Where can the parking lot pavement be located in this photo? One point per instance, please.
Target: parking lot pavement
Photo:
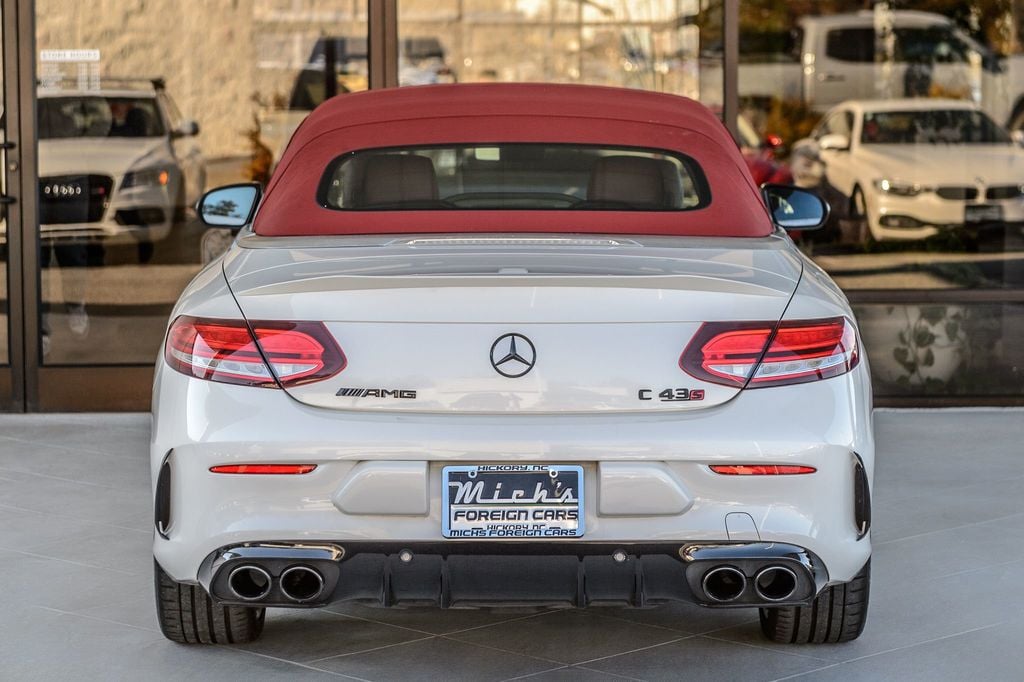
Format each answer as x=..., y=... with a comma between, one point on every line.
x=946, y=601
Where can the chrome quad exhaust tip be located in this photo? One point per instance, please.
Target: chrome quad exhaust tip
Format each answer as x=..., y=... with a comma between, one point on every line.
x=752, y=574
x=279, y=574
x=249, y=582
x=775, y=583
x=724, y=583
x=301, y=583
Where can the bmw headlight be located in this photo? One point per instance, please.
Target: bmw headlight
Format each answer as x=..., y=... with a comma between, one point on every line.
x=900, y=189
x=153, y=177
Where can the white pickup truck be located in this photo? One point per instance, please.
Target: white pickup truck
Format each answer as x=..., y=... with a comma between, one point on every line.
x=881, y=55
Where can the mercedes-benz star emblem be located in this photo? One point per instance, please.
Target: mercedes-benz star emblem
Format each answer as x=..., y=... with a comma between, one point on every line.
x=513, y=355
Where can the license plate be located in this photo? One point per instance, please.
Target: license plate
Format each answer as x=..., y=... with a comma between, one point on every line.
x=512, y=501
x=983, y=214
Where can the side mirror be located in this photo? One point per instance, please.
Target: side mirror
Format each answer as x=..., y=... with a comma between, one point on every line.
x=230, y=206
x=188, y=128
x=834, y=141
x=793, y=208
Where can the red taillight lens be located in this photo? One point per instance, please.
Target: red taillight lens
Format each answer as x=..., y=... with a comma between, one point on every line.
x=277, y=469
x=761, y=469
x=734, y=354
x=225, y=351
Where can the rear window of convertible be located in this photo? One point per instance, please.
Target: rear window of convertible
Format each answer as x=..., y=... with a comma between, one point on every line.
x=513, y=176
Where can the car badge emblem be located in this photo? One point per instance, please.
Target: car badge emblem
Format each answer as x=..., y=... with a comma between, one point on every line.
x=513, y=355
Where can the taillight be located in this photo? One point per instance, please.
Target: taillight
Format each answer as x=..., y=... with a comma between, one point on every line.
x=761, y=469
x=733, y=353
x=225, y=351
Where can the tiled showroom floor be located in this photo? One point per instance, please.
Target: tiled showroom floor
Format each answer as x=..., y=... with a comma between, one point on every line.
x=947, y=602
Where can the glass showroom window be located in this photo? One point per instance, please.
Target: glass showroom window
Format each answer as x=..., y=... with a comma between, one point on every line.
x=907, y=117
x=663, y=45
x=141, y=107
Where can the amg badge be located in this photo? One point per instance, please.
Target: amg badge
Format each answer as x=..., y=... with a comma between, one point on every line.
x=403, y=393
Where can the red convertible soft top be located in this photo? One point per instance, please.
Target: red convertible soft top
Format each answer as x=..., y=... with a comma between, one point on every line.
x=513, y=113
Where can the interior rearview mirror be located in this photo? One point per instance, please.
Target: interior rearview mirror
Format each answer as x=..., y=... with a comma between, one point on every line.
x=230, y=206
x=793, y=208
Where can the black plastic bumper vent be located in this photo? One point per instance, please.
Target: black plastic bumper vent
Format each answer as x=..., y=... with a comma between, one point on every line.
x=861, y=498
x=162, y=502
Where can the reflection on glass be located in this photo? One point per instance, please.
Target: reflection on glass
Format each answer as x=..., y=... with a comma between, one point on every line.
x=229, y=206
x=653, y=45
x=142, y=107
x=897, y=117
x=4, y=321
x=947, y=349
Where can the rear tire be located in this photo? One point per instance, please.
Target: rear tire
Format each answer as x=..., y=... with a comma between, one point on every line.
x=837, y=615
x=187, y=615
x=859, y=215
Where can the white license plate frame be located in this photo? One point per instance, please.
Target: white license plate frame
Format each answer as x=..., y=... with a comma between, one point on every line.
x=555, y=510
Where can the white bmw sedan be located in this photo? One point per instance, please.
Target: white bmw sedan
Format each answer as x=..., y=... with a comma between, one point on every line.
x=512, y=344
x=911, y=168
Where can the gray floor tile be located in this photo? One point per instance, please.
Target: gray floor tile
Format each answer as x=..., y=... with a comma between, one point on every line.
x=123, y=507
x=43, y=581
x=54, y=646
x=993, y=654
x=308, y=634
x=570, y=636
x=684, y=618
x=99, y=469
x=700, y=658
x=116, y=548
x=26, y=530
x=905, y=612
x=124, y=435
x=574, y=673
x=435, y=658
x=436, y=621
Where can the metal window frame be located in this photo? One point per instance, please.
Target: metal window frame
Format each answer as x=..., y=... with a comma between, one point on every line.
x=13, y=375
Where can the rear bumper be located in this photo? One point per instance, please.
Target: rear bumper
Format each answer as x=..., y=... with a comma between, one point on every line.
x=473, y=574
x=825, y=424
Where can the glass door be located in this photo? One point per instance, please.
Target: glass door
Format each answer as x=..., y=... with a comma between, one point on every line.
x=140, y=108
x=11, y=312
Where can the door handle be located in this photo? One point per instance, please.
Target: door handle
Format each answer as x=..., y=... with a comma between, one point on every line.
x=4, y=199
x=8, y=145
x=831, y=78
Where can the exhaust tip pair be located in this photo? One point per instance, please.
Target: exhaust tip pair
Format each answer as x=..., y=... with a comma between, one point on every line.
x=250, y=582
x=727, y=583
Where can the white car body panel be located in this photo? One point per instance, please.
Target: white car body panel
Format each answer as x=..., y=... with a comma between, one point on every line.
x=378, y=475
x=440, y=327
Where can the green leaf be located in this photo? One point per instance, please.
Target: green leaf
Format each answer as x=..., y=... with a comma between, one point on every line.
x=933, y=314
x=902, y=356
x=923, y=337
x=952, y=330
x=929, y=358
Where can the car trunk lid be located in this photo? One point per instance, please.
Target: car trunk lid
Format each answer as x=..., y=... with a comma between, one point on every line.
x=510, y=325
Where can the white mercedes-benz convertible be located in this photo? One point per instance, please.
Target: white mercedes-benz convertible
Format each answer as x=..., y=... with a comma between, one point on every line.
x=512, y=344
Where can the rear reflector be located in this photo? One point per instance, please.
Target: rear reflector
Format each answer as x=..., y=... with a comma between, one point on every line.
x=263, y=468
x=733, y=353
x=761, y=469
x=225, y=351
